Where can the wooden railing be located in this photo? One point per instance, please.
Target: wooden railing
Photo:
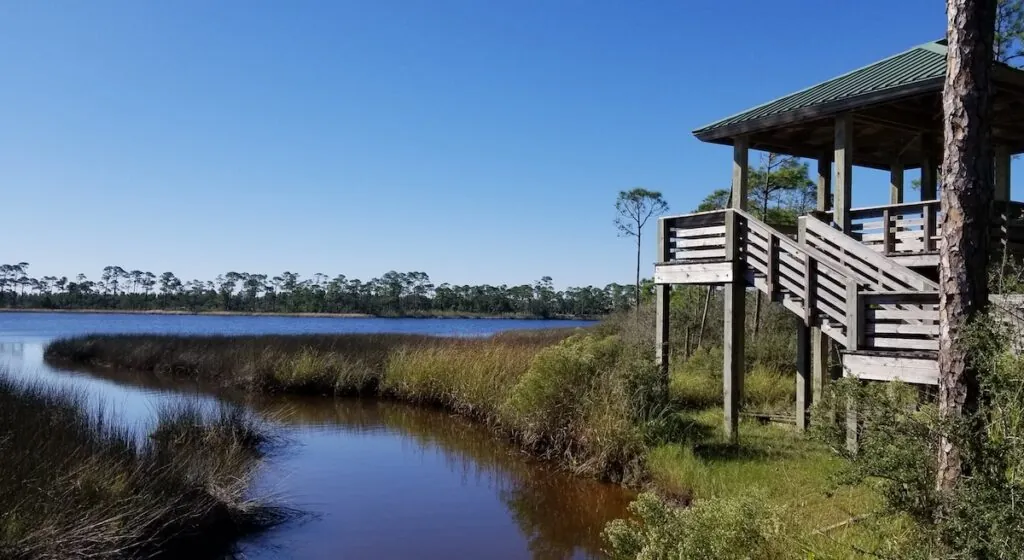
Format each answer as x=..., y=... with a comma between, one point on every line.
x=696, y=237
x=872, y=269
x=897, y=229
x=895, y=321
x=858, y=297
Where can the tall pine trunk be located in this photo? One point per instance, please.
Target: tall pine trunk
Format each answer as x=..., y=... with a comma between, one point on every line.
x=967, y=169
x=638, y=247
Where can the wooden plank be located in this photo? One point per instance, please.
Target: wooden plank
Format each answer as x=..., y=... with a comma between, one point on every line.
x=829, y=308
x=895, y=328
x=844, y=171
x=1002, y=173
x=900, y=343
x=685, y=243
x=920, y=371
x=697, y=219
x=835, y=333
x=708, y=231
x=905, y=234
x=695, y=273
x=772, y=271
x=793, y=262
x=900, y=298
x=695, y=254
x=875, y=315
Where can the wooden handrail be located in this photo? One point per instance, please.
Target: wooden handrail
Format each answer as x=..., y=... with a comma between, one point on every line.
x=884, y=264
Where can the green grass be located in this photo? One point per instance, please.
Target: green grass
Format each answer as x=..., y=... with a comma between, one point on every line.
x=797, y=477
x=75, y=486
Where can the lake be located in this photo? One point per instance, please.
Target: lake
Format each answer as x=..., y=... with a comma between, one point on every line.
x=376, y=479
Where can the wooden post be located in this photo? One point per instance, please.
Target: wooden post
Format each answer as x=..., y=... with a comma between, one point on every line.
x=819, y=342
x=663, y=293
x=803, y=375
x=844, y=172
x=734, y=298
x=888, y=236
x=820, y=374
x=896, y=183
x=928, y=215
x=740, y=162
x=854, y=317
x=824, y=183
x=929, y=169
x=1002, y=176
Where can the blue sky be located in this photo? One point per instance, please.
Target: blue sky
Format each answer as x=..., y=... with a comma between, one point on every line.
x=478, y=141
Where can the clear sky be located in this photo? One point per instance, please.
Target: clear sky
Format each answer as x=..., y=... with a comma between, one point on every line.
x=478, y=141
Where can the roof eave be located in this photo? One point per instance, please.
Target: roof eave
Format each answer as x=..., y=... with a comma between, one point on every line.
x=725, y=134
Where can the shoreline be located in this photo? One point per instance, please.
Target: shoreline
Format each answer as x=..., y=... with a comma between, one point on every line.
x=307, y=315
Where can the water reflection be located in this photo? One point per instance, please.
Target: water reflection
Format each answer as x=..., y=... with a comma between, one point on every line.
x=387, y=480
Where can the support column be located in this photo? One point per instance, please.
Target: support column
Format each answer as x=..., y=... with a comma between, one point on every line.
x=812, y=364
x=820, y=373
x=1002, y=176
x=803, y=375
x=734, y=297
x=929, y=169
x=844, y=172
x=824, y=183
x=663, y=293
x=896, y=183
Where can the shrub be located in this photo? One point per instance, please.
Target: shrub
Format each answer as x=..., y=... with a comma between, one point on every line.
x=723, y=529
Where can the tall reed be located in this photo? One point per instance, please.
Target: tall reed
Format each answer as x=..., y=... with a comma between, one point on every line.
x=75, y=485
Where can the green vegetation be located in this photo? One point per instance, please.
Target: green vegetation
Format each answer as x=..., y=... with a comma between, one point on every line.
x=394, y=294
x=579, y=398
x=74, y=486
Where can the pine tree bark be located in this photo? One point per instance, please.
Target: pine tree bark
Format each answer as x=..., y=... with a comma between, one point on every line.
x=967, y=184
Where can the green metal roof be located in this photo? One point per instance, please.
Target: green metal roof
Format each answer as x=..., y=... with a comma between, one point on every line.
x=922, y=65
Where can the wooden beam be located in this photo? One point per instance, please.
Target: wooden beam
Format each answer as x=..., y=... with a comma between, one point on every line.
x=929, y=168
x=896, y=183
x=740, y=163
x=804, y=375
x=824, y=182
x=820, y=373
x=734, y=331
x=844, y=172
x=1002, y=176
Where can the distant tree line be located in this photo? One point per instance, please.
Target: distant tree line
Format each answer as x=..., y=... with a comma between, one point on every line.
x=393, y=294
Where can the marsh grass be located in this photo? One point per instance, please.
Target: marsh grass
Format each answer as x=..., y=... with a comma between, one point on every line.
x=574, y=396
x=75, y=485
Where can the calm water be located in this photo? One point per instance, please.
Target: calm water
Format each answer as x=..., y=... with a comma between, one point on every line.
x=381, y=480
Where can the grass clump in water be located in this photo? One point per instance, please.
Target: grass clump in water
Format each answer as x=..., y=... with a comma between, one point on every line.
x=75, y=486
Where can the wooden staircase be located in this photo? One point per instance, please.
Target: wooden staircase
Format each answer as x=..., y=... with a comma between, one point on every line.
x=883, y=314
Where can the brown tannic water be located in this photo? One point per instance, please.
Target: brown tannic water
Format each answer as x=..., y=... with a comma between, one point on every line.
x=376, y=479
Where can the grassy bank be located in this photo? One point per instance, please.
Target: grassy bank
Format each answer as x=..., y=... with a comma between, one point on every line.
x=586, y=399
x=577, y=397
x=75, y=486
